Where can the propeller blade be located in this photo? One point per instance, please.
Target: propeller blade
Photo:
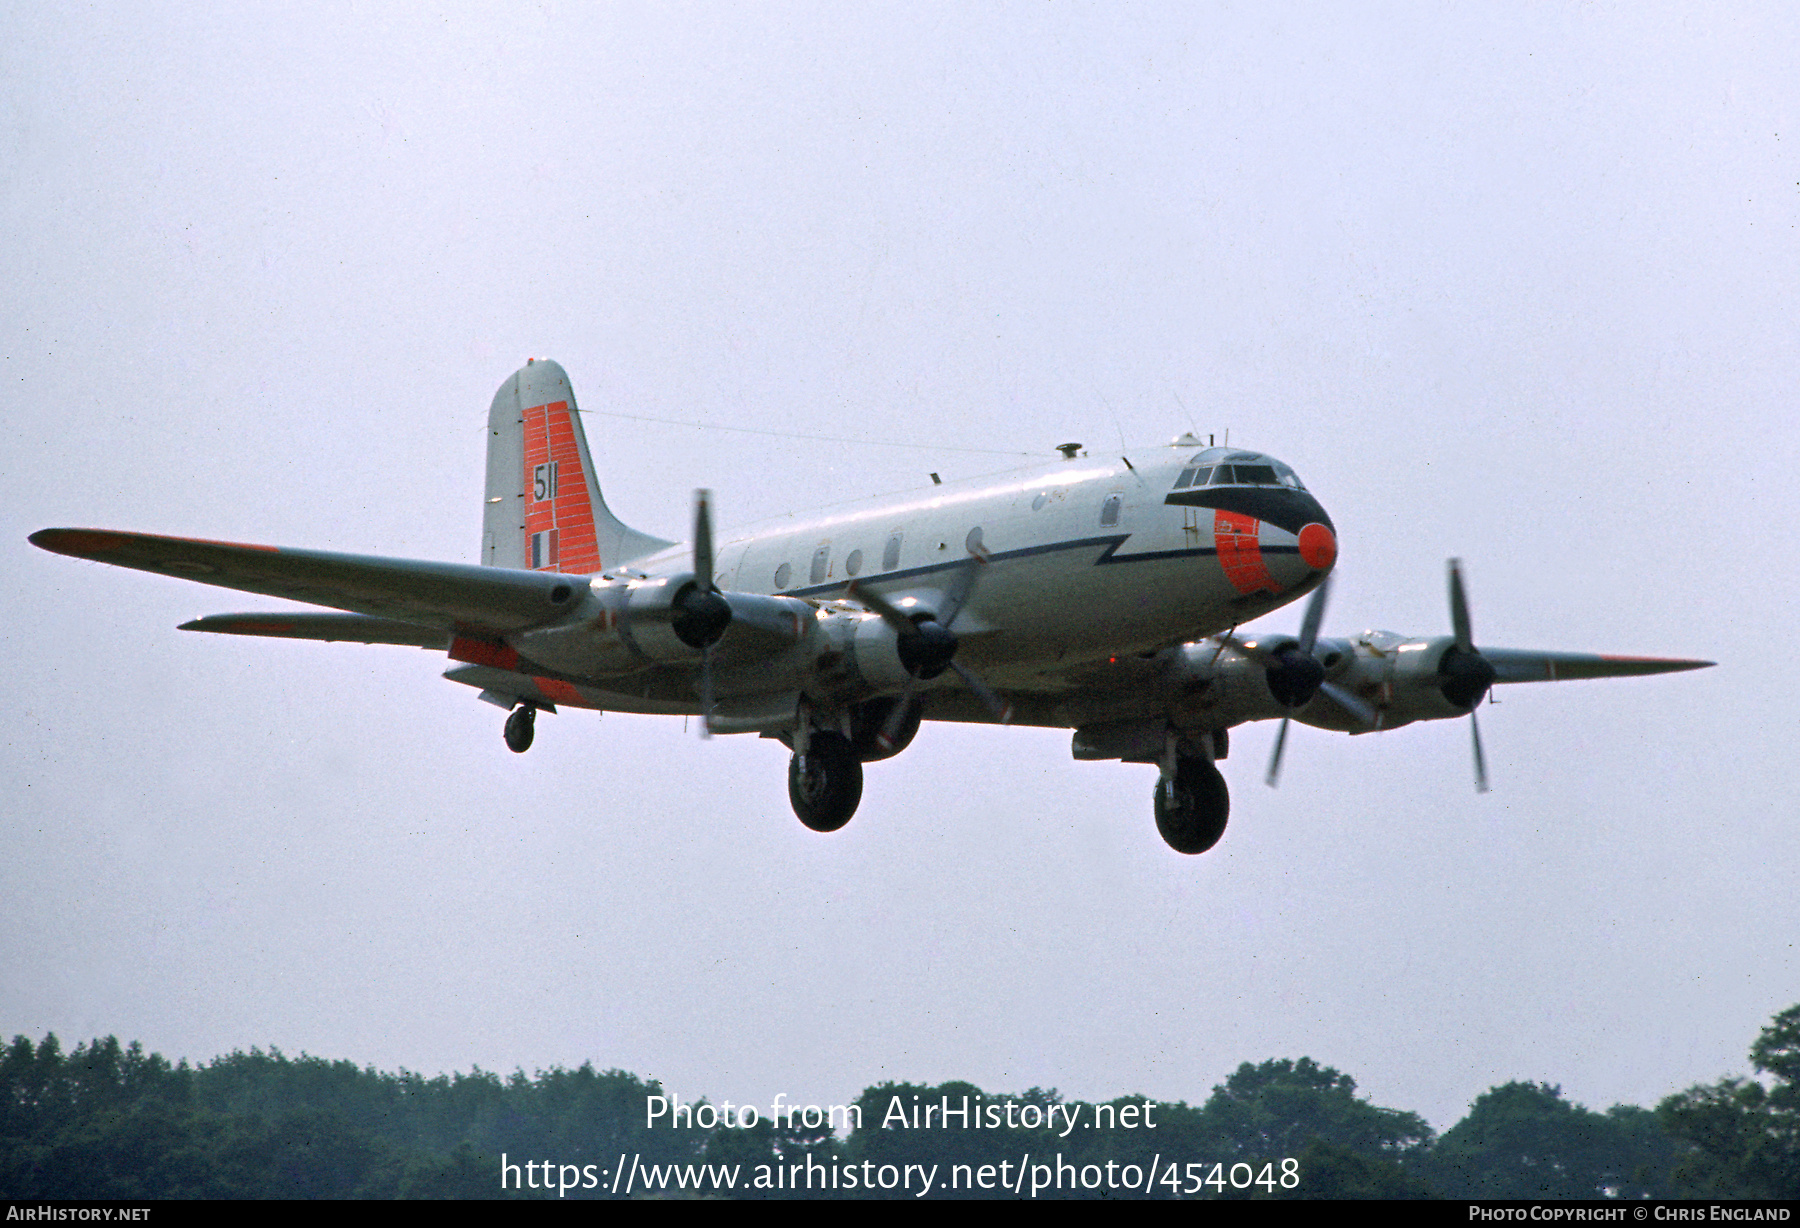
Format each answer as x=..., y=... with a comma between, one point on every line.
x=1350, y=703
x=962, y=583
x=1275, y=758
x=889, y=612
x=1459, y=609
x=999, y=707
x=703, y=543
x=1481, y=783
x=1315, y=614
x=706, y=691
x=889, y=736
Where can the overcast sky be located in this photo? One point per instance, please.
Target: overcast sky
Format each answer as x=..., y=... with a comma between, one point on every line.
x=1514, y=286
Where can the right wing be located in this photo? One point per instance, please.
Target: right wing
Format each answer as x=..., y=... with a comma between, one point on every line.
x=353, y=628
x=490, y=601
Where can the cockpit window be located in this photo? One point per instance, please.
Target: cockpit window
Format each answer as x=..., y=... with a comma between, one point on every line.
x=1255, y=469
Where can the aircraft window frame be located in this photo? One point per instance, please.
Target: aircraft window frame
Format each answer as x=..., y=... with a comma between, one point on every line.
x=783, y=574
x=821, y=564
x=853, y=562
x=890, y=554
x=1187, y=478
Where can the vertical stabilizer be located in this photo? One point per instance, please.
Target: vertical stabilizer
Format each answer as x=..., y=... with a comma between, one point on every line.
x=544, y=511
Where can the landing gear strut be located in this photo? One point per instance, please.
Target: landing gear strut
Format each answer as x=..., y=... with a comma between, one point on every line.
x=1192, y=804
x=520, y=727
x=825, y=780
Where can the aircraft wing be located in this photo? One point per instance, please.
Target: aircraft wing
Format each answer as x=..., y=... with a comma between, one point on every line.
x=1525, y=665
x=445, y=596
x=350, y=628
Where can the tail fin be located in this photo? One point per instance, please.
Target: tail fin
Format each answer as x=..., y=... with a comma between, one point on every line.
x=544, y=511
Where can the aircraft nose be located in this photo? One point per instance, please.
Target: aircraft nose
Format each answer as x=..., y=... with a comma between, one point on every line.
x=1318, y=546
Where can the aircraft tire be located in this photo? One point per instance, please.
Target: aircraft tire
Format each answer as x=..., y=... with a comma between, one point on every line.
x=521, y=726
x=826, y=794
x=1192, y=809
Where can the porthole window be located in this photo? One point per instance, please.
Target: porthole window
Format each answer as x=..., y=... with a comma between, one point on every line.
x=972, y=542
x=890, y=557
x=783, y=574
x=1039, y=502
x=1109, y=511
x=821, y=566
x=853, y=563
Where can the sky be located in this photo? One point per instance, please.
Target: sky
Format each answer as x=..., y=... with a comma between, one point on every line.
x=1514, y=285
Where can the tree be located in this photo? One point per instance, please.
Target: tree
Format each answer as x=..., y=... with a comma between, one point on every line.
x=1743, y=1139
x=1524, y=1140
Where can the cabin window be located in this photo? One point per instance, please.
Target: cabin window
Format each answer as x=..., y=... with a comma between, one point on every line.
x=890, y=557
x=853, y=562
x=821, y=563
x=1109, y=511
x=972, y=543
x=1186, y=479
x=783, y=574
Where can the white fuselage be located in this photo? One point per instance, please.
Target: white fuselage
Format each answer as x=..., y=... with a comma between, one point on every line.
x=1084, y=561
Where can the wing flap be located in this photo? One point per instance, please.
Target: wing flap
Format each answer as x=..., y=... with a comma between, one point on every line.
x=448, y=596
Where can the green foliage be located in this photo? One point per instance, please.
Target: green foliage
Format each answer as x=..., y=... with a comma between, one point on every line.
x=1743, y=1139
x=1524, y=1140
x=109, y=1121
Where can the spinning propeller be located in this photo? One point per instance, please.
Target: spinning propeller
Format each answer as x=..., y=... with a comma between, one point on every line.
x=701, y=614
x=926, y=646
x=1464, y=674
x=1467, y=674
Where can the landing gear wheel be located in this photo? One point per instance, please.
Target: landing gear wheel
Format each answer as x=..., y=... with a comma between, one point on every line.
x=1192, y=808
x=826, y=790
x=520, y=727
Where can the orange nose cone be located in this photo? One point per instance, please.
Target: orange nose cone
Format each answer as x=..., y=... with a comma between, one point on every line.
x=1318, y=546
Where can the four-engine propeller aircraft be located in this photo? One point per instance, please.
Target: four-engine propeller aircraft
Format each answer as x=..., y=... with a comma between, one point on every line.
x=1095, y=595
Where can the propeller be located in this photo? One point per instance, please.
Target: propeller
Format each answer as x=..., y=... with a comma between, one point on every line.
x=701, y=614
x=1299, y=666
x=927, y=646
x=1467, y=674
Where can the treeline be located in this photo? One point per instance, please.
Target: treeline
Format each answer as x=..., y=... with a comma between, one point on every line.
x=109, y=1121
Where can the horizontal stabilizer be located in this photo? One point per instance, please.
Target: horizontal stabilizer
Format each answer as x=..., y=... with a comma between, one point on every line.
x=449, y=596
x=346, y=628
x=1524, y=665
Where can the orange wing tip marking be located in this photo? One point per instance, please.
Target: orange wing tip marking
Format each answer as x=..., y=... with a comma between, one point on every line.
x=92, y=543
x=1318, y=547
x=1674, y=661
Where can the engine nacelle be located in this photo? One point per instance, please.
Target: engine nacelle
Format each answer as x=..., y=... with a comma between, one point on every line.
x=625, y=624
x=1405, y=680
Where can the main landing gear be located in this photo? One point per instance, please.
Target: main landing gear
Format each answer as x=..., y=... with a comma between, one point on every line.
x=520, y=727
x=825, y=780
x=1192, y=801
